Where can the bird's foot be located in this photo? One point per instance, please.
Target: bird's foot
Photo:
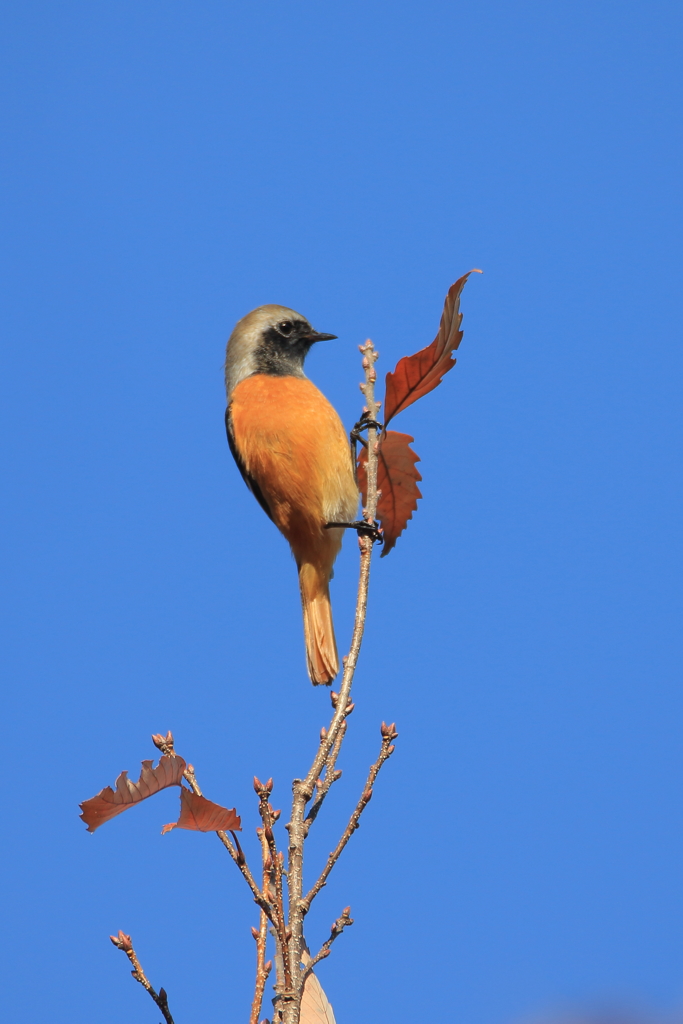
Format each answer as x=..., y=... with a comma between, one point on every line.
x=362, y=527
x=363, y=423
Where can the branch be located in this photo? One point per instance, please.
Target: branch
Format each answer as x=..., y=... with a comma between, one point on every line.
x=388, y=734
x=124, y=942
x=165, y=745
x=332, y=775
x=263, y=969
x=337, y=928
x=303, y=788
x=269, y=817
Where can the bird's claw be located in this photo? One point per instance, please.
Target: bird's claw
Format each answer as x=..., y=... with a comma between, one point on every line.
x=363, y=423
x=363, y=529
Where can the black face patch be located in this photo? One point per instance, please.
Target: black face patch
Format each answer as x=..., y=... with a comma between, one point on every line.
x=283, y=348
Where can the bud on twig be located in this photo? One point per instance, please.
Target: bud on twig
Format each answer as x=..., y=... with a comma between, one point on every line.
x=268, y=833
x=255, y=933
x=160, y=741
x=367, y=796
x=122, y=941
x=334, y=697
x=323, y=734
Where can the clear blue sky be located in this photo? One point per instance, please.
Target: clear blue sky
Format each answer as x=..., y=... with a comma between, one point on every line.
x=165, y=168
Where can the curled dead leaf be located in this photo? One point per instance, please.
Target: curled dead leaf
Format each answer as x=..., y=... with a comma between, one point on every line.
x=397, y=479
x=417, y=375
x=315, y=1006
x=201, y=815
x=109, y=802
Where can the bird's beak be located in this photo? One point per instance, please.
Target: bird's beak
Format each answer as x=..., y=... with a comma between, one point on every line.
x=315, y=336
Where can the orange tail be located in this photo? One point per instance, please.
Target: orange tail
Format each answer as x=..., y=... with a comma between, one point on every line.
x=321, y=646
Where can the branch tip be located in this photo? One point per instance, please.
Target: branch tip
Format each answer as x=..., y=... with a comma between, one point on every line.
x=163, y=743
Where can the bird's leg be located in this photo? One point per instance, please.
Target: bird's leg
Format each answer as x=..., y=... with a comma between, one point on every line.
x=363, y=423
x=362, y=527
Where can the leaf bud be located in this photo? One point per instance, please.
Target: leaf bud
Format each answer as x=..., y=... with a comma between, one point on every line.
x=349, y=708
x=367, y=796
x=336, y=774
x=334, y=697
x=391, y=748
x=123, y=941
x=268, y=833
x=288, y=934
x=323, y=733
x=346, y=911
x=255, y=933
x=274, y=814
x=163, y=997
x=190, y=769
x=269, y=786
x=258, y=785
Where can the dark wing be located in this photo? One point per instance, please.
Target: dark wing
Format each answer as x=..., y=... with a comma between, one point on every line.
x=249, y=480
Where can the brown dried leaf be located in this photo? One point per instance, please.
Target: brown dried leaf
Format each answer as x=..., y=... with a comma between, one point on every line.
x=420, y=373
x=108, y=802
x=201, y=815
x=315, y=1008
x=397, y=479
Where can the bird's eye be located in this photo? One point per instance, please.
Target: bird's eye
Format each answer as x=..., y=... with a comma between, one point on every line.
x=285, y=327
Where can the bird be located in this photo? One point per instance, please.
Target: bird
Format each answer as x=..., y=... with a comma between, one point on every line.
x=294, y=455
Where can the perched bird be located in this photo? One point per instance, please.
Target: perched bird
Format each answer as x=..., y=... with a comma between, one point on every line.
x=292, y=450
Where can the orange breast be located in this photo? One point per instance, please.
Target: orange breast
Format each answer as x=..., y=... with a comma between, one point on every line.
x=294, y=446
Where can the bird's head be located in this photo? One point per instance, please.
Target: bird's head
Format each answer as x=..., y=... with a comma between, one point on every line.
x=270, y=339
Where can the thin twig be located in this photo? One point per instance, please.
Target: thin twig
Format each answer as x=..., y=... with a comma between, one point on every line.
x=337, y=928
x=332, y=775
x=388, y=734
x=263, y=968
x=125, y=943
x=269, y=817
x=303, y=789
x=166, y=745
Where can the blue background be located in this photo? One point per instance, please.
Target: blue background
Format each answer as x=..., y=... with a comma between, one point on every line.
x=168, y=166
